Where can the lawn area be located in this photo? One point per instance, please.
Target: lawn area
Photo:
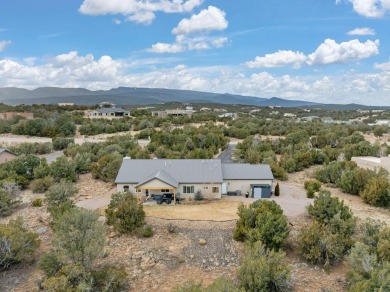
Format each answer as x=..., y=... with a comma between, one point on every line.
x=219, y=210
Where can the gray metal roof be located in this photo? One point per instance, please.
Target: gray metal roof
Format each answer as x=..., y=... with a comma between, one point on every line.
x=182, y=170
x=246, y=171
x=162, y=176
x=111, y=110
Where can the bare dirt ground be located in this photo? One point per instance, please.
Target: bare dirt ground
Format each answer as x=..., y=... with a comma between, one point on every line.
x=165, y=260
x=372, y=139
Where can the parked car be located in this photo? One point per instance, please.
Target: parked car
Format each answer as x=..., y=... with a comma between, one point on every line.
x=166, y=198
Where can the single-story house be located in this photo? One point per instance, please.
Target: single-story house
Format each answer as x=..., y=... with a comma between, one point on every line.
x=146, y=177
x=109, y=113
x=6, y=155
x=372, y=163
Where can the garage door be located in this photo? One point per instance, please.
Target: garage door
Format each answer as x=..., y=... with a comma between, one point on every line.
x=257, y=193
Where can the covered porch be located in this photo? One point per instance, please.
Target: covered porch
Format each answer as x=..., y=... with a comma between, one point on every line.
x=159, y=184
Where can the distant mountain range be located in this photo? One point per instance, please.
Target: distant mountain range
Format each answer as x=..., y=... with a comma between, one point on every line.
x=145, y=96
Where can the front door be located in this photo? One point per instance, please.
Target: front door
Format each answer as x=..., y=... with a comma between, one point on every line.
x=257, y=193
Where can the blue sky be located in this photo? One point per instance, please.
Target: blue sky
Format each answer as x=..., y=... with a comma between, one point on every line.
x=325, y=51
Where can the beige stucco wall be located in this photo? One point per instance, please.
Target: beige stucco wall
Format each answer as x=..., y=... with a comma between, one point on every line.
x=206, y=189
x=372, y=163
x=6, y=156
x=244, y=185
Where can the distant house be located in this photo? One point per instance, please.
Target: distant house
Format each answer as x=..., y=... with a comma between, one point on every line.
x=289, y=115
x=146, y=177
x=372, y=163
x=310, y=118
x=108, y=113
x=174, y=113
x=327, y=120
x=6, y=155
x=228, y=115
x=66, y=103
x=10, y=115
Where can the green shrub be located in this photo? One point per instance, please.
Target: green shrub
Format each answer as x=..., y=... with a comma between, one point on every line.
x=190, y=286
x=325, y=207
x=377, y=192
x=60, y=193
x=148, y=231
x=315, y=185
x=60, y=143
x=38, y=202
x=144, y=231
x=262, y=221
x=9, y=192
x=7, y=204
x=264, y=270
x=310, y=193
x=50, y=264
x=336, y=217
x=41, y=185
x=110, y=278
x=317, y=244
x=198, y=196
x=79, y=237
x=277, y=190
x=63, y=169
x=171, y=228
x=124, y=213
x=17, y=244
x=223, y=283
x=366, y=271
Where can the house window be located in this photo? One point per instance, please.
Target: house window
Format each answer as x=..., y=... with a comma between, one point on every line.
x=188, y=189
x=215, y=190
x=205, y=188
x=125, y=188
x=164, y=190
x=138, y=190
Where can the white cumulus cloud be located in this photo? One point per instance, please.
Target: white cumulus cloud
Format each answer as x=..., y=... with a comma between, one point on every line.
x=370, y=8
x=74, y=70
x=142, y=17
x=140, y=11
x=166, y=48
x=4, y=44
x=208, y=19
x=330, y=52
x=383, y=66
x=278, y=59
x=361, y=31
x=184, y=43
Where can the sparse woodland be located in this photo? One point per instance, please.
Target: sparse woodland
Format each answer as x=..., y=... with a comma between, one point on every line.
x=75, y=261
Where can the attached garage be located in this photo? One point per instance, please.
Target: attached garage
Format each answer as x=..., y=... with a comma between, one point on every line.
x=242, y=178
x=260, y=191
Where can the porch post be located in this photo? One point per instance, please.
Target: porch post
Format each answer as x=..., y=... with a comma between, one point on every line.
x=174, y=196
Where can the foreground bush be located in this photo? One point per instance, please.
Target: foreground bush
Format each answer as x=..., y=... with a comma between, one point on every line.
x=367, y=272
x=329, y=237
x=17, y=244
x=332, y=212
x=79, y=237
x=262, y=221
x=264, y=270
x=9, y=192
x=110, y=278
x=318, y=245
x=220, y=284
x=124, y=213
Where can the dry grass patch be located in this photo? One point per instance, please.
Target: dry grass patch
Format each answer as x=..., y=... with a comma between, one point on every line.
x=218, y=210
